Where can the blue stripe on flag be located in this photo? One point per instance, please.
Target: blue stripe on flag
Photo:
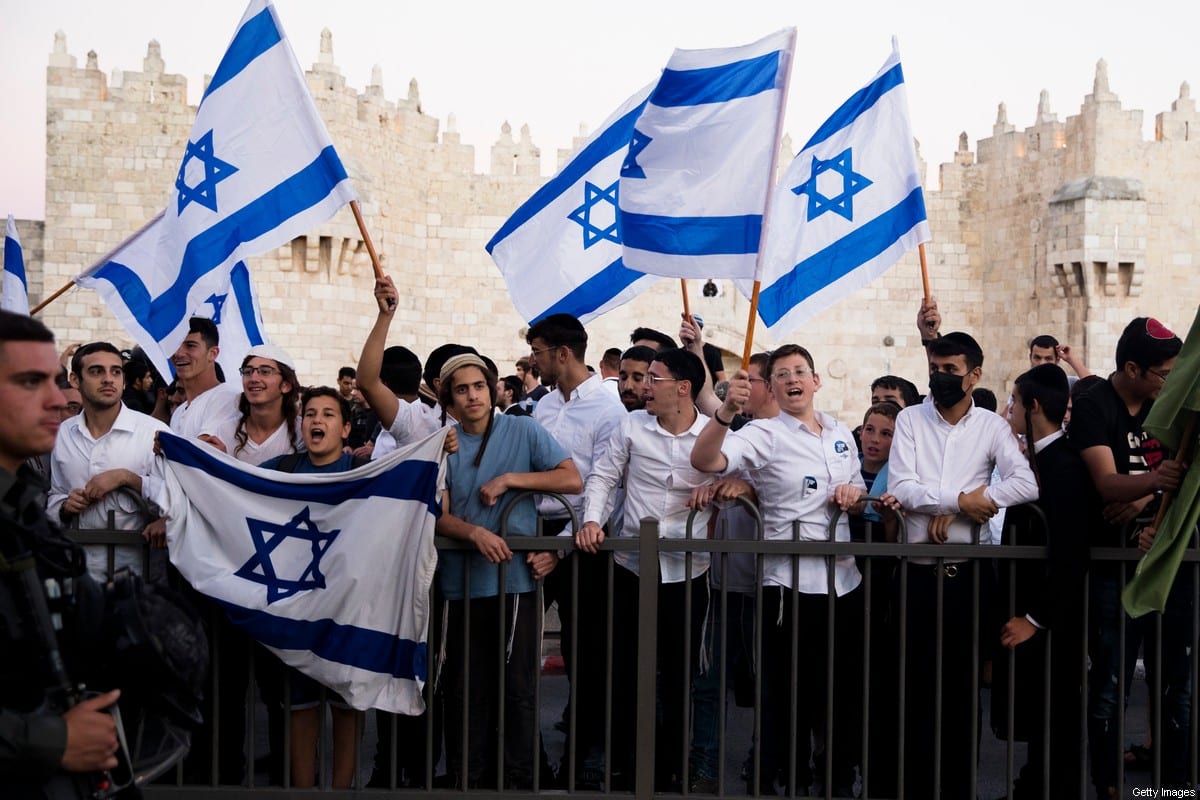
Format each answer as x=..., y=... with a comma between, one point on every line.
x=615, y=137
x=594, y=292
x=373, y=651
x=14, y=261
x=859, y=103
x=212, y=246
x=409, y=480
x=256, y=37
x=719, y=84
x=840, y=258
x=690, y=236
x=244, y=294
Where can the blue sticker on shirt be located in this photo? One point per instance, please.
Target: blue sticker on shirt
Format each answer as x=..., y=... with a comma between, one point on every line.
x=841, y=448
x=810, y=485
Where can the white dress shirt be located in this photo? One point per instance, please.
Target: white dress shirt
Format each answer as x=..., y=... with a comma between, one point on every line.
x=794, y=469
x=77, y=458
x=933, y=461
x=414, y=421
x=279, y=443
x=582, y=424
x=208, y=413
x=659, y=479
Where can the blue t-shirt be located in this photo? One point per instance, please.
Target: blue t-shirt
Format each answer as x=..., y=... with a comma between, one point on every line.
x=876, y=487
x=517, y=444
x=344, y=463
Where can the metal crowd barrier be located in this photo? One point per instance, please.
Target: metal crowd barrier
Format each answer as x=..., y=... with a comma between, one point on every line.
x=874, y=555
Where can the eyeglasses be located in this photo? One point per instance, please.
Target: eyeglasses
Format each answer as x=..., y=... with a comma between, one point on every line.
x=536, y=352
x=1162, y=376
x=758, y=380
x=786, y=374
x=654, y=380
x=264, y=371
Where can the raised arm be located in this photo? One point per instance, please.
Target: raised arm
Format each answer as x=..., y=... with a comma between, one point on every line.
x=371, y=362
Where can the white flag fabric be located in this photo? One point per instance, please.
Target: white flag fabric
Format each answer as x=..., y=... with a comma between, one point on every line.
x=694, y=185
x=259, y=169
x=848, y=207
x=330, y=571
x=560, y=251
x=14, y=291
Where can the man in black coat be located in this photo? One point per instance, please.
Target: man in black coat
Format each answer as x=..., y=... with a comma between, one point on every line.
x=1046, y=609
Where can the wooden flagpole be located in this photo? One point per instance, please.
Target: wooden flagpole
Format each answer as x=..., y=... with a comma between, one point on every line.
x=687, y=311
x=924, y=273
x=762, y=237
x=104, y=259
x=362, y=228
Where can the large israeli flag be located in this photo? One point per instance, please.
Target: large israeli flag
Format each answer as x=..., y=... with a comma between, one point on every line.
x=848, y=207
x=695, y=182
x=258, y=170
x=560, y=251
x=14, y=291
x=330, y=571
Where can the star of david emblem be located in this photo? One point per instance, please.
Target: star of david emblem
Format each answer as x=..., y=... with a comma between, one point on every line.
x=841, y=203
x=606, y=199
x=217, y=301
x=267, y=537
x=215, y=170
x=631, y=169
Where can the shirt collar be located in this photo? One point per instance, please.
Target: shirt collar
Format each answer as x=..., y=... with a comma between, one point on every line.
x=1046, y=441
x=589, y=385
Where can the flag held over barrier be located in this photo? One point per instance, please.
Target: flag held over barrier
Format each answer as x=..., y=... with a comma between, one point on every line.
x=331, y=571
x=694, y=184
x=258, y=170
x=848, y=207
x=560, y=251
x=14, y=291
x=1176, y=406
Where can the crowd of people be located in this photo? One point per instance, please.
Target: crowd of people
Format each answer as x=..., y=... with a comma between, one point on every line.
x=660, y=431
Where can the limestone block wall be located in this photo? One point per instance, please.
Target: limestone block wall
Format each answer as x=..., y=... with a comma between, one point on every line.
x=114, y=143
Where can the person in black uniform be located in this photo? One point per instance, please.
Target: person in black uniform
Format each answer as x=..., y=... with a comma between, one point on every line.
x=1047, y=605
x=38, y=745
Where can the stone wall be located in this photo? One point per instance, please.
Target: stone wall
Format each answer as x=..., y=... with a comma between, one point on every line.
x=1066, y=227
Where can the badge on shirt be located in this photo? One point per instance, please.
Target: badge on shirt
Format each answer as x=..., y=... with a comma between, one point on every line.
x=810, y=485
x=841, y=448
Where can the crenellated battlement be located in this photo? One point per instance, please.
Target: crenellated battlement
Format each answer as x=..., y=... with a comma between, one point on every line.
x=1070, y=226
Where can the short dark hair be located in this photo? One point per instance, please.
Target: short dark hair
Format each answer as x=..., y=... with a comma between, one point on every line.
x=560, y=330
x=684, y=365
x=400, y=370
x=1045, y=341
x=516, y=386
x=612, y=358
x=664, y=342
x=760, y=360
x=1047, y=384
x=350, y=372
x=136, y=369
x=1147, y=343
x=439, y=356
x=314, y=392
x=957, y=343
x=887, y=408
x=984, y=398
x=87, y=350
x=20, y=328
x=907, y=389
x=785, y=350
x=639, y=353
x=207, y=330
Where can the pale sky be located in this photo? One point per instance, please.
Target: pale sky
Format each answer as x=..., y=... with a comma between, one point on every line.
x=554, y=65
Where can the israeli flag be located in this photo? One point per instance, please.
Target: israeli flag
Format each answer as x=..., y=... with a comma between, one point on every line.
x=14, y=291
x=849, y=206
x=560, y=252
x=695, y=182
x=258, y=170
x=330, y=571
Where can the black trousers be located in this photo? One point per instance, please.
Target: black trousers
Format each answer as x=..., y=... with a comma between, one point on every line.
x=493, y=655
x=676, y=667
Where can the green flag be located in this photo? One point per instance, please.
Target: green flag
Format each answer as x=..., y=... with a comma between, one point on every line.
x=1176, y=404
